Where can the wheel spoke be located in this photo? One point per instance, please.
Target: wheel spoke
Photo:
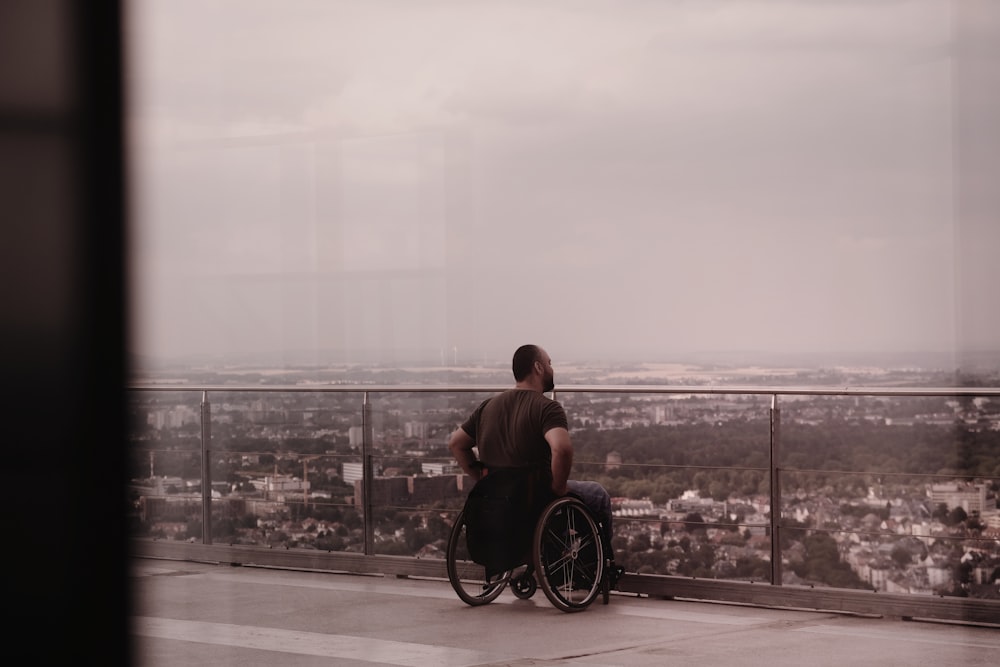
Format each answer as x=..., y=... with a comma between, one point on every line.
x=568, y=554
x=558, y=538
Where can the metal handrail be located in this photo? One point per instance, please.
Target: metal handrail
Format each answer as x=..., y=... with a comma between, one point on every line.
x=578, y=389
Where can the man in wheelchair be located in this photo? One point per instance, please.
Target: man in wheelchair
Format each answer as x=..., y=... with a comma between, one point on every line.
x=522, y=437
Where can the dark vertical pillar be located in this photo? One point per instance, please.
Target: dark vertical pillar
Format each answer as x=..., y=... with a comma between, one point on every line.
x=62, y=204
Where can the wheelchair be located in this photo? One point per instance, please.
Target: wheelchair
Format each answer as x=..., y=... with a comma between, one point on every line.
x=563, y=555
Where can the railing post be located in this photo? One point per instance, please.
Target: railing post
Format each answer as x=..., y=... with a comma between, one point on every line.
x=368, y=474
x=206, y=469
x=775, y=492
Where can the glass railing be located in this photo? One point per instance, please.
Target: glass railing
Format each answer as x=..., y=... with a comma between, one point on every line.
x=891, y=489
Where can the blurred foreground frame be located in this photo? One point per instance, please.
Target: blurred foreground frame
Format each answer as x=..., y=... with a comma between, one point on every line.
x=63, y=198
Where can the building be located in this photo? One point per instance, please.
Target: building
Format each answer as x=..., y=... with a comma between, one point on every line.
x=970, y=497
x=414, y=490
x=416, y=430
x=385, y=491
x=284, y=484
x=173, y=418
x=426, y=490
x=434, y=468
x=354, y=471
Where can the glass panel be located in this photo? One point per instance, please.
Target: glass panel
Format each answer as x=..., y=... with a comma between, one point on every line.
x=688, y=479
x=418, y=487
x=898, y=494
x=164, y=465
x=890, y=493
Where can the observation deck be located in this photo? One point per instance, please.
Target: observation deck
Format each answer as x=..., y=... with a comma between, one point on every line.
x=191, y=613
x=376, y=592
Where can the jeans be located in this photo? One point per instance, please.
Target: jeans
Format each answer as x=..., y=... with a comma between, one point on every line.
x=597, y=499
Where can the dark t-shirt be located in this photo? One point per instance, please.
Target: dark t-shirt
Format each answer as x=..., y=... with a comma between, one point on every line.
x=509, y=429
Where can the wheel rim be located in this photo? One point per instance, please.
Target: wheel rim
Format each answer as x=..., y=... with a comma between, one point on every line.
x=468, y=579
x=569, y=555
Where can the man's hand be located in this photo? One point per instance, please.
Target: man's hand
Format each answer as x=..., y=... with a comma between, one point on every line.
x=461, y=446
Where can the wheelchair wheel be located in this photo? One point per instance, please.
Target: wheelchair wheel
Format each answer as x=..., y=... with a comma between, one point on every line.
x=468, y=578
x=524, y=585
x=568, y=555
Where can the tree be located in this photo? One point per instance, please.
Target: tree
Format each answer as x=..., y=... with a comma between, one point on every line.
x=822, y=563
x=752, y=568
x=640, y=542
x=394, y=548
x=963, y=572
x=438, y=527
x=693, y=521
x=193, y=529
x=651, y=562
x=901, y=556
x=352, y=519
x=719, y=490
x=330, y=543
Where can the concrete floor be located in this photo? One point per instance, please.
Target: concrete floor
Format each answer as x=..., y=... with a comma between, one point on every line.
x=195, y=614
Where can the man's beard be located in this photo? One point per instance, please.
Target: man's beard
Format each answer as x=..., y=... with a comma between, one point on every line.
x=550, y=383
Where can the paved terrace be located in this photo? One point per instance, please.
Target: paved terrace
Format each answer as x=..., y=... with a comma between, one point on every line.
x=191, y=614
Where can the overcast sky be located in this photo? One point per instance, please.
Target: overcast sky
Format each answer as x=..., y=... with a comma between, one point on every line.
x=647, y=179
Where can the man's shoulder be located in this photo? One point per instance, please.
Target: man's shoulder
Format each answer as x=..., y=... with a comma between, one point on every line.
x=529, y=395
x=525, y=398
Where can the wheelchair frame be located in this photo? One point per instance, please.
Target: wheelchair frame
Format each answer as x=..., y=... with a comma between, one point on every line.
x=567, y=561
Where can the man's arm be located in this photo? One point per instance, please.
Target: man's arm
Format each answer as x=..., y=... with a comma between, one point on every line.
x=562, y=458
x=461, y=446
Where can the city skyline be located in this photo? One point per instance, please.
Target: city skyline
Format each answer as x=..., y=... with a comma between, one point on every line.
x=983, y=365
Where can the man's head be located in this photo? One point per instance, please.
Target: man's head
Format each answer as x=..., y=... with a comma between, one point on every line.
x=531, y=359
